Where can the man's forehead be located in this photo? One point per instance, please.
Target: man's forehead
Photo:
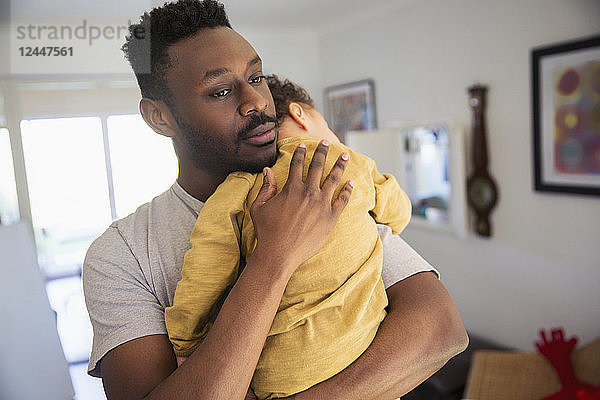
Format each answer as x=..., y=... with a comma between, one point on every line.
x=214, y=48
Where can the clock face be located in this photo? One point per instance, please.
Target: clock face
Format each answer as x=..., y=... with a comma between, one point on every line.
x=477, y=98
x=482, y=193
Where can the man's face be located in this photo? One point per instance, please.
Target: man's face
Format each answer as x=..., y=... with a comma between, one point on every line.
x=222, y=104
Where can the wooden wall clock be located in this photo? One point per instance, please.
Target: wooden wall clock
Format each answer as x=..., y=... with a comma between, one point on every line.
x=482, y=192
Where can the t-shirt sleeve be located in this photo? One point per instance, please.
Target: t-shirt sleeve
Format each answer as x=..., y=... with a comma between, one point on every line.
x=119, y=299
x=400, y=261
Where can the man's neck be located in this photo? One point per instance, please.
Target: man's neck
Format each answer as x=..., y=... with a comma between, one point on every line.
x=197, y=182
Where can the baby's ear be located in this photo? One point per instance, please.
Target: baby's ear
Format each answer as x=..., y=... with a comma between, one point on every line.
x=299, y=115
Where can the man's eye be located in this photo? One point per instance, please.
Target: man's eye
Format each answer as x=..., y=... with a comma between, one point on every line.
x=256, y=80
x=222, y=93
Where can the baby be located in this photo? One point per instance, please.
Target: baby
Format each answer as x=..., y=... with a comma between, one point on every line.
x=334, y=302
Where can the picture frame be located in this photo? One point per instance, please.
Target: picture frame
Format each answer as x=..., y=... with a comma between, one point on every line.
x=566, y=116
x=351, y=107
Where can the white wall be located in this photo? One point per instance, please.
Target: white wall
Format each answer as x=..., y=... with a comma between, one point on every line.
x=542, y=266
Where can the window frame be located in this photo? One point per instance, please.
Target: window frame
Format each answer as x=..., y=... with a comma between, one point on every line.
x=116, y=95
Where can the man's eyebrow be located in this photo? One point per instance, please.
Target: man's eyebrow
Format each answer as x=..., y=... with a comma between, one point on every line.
x=215, y=73
x=255, y=60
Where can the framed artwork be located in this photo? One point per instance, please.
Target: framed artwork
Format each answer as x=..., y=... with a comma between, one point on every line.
x=351, y=107
x=566, y=116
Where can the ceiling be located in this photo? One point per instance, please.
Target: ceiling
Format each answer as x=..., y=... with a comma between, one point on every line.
x=312, y=14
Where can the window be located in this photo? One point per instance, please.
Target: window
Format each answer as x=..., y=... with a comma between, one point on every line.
x=66, y=175
x=82, y=172
x=9, y=207
x=143, y=162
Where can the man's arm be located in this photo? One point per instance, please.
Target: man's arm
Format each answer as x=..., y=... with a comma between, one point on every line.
x=421, y=332
x=222, y=367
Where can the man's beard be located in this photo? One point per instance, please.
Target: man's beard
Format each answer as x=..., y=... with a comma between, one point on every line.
x=209, y=153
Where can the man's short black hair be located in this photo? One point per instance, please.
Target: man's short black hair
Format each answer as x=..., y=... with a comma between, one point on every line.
x=285, y=92
x=146, y=46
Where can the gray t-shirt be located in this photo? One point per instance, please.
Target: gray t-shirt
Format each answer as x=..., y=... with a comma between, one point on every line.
x=131, y=271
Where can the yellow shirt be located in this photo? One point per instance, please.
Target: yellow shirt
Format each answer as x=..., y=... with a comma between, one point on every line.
x=333, y=303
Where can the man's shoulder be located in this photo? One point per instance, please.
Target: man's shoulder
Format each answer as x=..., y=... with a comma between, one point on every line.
x=119, y=235
x=130, y=273
x=124, y=228
x=129, y=229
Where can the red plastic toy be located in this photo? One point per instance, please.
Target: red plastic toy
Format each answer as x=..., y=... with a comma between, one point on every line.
x=558, y=351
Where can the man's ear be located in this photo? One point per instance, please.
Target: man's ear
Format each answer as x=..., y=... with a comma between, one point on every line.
x=299, y=115
x=159, y=117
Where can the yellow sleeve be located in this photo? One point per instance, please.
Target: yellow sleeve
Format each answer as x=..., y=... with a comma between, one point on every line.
x=210, y=266
x=392, y=205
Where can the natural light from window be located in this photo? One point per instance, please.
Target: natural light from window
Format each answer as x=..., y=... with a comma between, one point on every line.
x=143, y=162
x=81, y=174
x=66, y=176
x=9, y=206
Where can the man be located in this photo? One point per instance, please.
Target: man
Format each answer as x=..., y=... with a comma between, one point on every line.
x=205, y=89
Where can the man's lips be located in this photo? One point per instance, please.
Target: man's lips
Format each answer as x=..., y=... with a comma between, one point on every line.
x=261, y=135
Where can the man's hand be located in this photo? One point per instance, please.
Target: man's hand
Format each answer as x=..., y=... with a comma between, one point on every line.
x=291, y=227
x=310, y=214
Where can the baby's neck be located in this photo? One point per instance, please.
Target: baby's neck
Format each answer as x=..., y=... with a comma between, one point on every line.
x=285, y=132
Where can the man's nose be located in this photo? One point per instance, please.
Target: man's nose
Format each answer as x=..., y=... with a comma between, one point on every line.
x=252, y=101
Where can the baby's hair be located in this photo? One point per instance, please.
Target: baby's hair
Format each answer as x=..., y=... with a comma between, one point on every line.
x=286, y=92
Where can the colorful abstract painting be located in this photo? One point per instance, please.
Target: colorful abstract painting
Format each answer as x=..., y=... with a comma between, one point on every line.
x=566, y=117
x=577, y=119
x=351, y=107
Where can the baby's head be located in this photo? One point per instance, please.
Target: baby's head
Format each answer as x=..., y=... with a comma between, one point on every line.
x=296, y=112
